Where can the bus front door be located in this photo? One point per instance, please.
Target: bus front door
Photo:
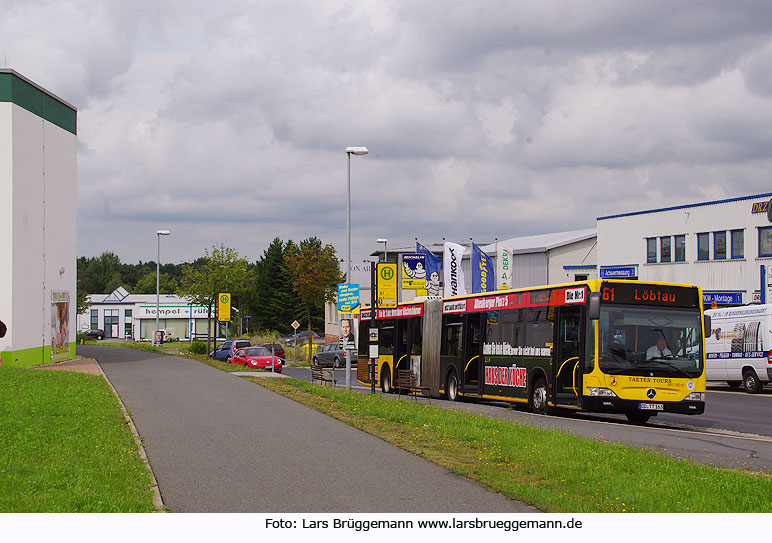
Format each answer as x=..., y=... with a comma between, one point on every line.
x=567, y=368
x=471, y=381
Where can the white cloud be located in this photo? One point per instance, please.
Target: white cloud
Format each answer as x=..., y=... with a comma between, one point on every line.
x=227, y=122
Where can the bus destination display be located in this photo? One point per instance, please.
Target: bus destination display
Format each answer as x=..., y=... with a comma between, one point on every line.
x=659, y=295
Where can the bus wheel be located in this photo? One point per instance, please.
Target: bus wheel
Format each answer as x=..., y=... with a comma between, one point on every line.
x=638, y=417
x=385, y=380
x=734, y=384
x=539, y=396
x=451, y=389
x=751, y=382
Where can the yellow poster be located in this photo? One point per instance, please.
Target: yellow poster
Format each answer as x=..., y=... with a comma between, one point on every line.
x=387, y=285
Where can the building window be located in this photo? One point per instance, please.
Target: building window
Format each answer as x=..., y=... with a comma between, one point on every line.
x=94, y=319
x=719, y=245
x=738, y=244
x=703, y=246
x=664, y=249
x=651, y=250
x=765, y=241
x=680, y=248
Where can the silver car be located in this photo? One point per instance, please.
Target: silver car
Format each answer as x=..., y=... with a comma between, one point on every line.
x=332, y=355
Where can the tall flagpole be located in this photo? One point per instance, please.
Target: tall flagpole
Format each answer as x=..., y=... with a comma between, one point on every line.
x=496, y=272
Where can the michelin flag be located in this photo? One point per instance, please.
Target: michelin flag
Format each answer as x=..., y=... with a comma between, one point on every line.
x=481, y=271
x=433, y=270
x=454, y=275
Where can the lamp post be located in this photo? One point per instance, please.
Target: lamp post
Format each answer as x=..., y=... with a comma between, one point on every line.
x=358, y=151
x=158, y=233
x=385, y=249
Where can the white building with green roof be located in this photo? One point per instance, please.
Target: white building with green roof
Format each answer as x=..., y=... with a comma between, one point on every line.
x=38, y=214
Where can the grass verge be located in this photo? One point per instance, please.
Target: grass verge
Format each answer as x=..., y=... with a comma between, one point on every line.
x=551, y=470
x=65, y=446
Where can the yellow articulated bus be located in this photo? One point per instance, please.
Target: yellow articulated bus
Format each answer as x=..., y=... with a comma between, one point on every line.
x=606, y=346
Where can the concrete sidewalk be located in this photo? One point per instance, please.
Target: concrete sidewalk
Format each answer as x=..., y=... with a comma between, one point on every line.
x=219, y=443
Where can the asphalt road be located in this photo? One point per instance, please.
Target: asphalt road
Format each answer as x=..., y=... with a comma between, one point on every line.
x=734, y=432
x=218, y=443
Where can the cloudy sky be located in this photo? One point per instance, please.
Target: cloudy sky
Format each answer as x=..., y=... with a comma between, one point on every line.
x=227, y=122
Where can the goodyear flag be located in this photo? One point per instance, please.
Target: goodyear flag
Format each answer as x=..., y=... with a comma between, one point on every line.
x=454, y=275
x=481, y=271
x=433, y=270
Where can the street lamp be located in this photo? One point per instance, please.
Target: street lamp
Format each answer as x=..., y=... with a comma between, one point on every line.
x=358, y=151
x=158, y=233
x=385, y=250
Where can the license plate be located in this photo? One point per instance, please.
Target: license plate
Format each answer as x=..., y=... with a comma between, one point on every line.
x=651, y=406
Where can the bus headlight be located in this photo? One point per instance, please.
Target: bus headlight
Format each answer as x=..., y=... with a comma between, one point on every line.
x=597, y=391
x=695, y=397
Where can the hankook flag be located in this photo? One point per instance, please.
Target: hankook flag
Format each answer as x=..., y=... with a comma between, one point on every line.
x=454, y=275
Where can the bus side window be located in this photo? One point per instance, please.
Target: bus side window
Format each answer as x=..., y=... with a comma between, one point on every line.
x=451, y=335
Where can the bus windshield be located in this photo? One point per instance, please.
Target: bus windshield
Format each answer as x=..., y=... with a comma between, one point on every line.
x=650, y=341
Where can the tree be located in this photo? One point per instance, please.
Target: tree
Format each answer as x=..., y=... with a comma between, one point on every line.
x=274, y=303
x=315, y=275
x=147, y=284
x=97, y=275
x=220, y=271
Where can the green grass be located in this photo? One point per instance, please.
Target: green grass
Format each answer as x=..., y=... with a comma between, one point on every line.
x=551, y=470
x=65, y=446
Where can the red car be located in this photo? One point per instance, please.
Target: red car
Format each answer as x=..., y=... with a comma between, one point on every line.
x=257, y=358
x=278, y=350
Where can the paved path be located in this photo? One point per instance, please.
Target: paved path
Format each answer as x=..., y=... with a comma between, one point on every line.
x=219, y=443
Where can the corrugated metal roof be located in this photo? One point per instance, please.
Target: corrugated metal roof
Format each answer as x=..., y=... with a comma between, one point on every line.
x=543, y=242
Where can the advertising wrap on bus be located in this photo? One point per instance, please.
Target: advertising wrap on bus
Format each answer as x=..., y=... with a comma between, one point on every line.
x=639, y=353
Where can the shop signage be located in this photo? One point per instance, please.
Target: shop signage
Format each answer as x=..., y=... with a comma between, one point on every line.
x=172, y=312
x=618, y=272
x=733, y=298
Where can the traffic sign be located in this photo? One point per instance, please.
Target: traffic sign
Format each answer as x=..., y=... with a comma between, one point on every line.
x=295, y=324
x=224, y=307
x=387, y=285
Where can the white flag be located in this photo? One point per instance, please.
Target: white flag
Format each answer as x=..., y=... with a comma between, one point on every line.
x=503, y=267
x=454, y=275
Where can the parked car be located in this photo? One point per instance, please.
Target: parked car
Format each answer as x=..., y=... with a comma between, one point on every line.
x=228, y=348
x=276, y=348
x=94, y=333
x=332, y=355
x=257, y=357
x=302, y=337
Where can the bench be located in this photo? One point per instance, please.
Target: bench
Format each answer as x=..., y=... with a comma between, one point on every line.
x=407, y=382
x=319, y=374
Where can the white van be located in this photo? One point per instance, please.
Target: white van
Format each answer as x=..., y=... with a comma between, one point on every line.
x=739, y=348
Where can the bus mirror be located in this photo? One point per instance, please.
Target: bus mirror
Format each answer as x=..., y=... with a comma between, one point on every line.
x=594, y=310
x=708, y=327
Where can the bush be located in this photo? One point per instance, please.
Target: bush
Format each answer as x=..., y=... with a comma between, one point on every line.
x=198, y=347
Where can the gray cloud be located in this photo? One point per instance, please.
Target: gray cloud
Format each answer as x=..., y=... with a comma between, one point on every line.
x=227, y=122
